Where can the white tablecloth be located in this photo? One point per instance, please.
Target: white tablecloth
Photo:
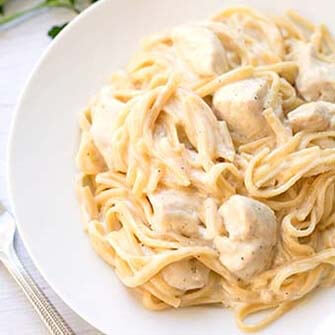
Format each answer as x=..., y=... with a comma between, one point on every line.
x=20, y=48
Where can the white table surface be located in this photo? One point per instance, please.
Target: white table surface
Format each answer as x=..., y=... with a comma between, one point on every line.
x=20, y=48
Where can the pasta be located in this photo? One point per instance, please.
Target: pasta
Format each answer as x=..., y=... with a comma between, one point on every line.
x=207, y=167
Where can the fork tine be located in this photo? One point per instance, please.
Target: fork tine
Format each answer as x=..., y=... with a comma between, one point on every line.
x=7, y=230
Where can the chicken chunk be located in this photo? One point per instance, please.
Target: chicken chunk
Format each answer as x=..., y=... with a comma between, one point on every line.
x=188, y=274
x=201, y=49
x=313, y=116
x=253, y=232
x=104, y=114
x=241, y=105
x=316, y=78
x=176, y=211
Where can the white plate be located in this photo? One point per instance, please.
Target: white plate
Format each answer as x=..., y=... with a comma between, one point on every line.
x=41, y=169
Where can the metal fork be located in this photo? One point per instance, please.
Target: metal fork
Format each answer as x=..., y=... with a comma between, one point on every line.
x=47, y=312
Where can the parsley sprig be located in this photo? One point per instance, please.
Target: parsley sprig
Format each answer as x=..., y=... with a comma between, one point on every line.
x=55, y=30
x=2, y=2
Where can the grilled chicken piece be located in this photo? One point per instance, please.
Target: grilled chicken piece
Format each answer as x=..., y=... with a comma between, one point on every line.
x=316, y=78
x=176, y=211
x=241, y=105
x=313, y=116
x=252, y=234
x=201, y=49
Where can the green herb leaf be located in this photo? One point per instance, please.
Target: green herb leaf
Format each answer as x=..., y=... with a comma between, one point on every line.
x=55, y=30
x=73, y=5
x=2, y=7
x=69, y=4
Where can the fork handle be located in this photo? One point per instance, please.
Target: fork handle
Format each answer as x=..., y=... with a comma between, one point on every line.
x=47, y=312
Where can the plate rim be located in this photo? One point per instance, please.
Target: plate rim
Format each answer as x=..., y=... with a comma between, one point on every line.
x=9, y=159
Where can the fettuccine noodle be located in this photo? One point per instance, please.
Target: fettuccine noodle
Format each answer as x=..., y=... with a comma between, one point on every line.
x=208, y=165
